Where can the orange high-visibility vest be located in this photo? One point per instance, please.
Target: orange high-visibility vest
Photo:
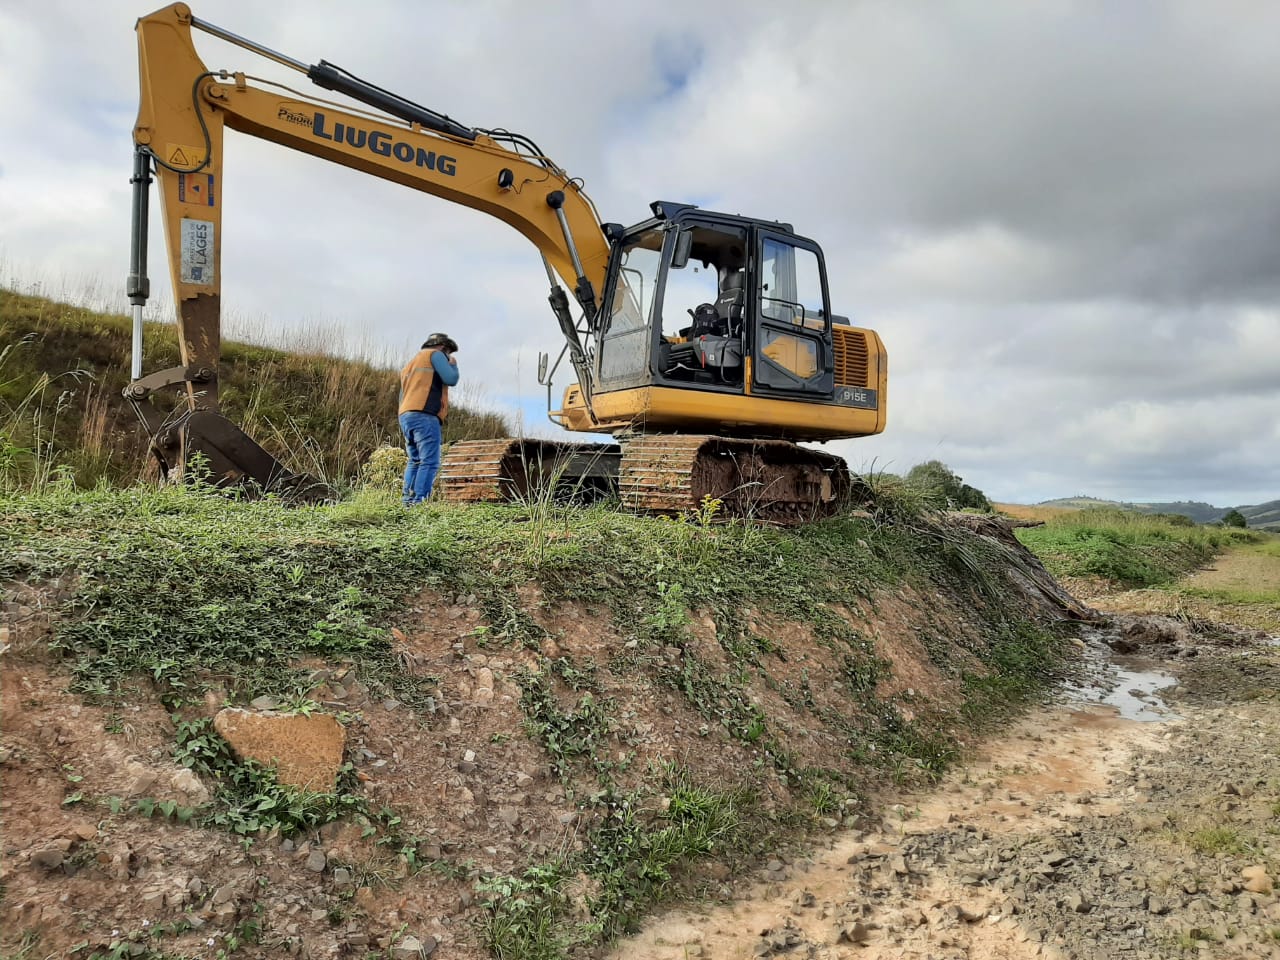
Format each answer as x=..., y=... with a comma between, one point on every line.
x=421, y=390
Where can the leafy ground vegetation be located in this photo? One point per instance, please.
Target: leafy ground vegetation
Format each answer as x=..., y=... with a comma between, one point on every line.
x=557, y=716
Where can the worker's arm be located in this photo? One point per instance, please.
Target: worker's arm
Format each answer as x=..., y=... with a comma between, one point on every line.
x=446, y=368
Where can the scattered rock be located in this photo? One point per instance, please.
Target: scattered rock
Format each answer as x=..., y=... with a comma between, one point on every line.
x=188, y=784
x=50, y=857
x=958, y=911
x=316, y=860
x=856, y=932
x=143, y=781
x=1257, y=880
x=411, y=948
x=1078, y=903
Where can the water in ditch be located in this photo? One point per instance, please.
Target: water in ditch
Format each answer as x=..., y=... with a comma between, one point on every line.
x=1130, y=684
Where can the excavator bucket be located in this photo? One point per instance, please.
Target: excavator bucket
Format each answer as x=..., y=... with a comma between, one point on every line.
x=201, y=444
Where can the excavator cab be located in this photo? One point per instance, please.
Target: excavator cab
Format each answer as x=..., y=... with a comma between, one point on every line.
x=699, y=303
x=759, y=290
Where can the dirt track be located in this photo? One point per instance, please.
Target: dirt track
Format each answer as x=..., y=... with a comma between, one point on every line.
x=1079, y=833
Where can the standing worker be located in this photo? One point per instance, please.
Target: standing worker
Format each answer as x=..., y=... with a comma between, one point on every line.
x=424, y=404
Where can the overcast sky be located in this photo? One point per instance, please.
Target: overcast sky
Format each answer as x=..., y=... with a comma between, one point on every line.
x=1063, y=218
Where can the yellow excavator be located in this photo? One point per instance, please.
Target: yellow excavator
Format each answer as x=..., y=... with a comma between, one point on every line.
x=704, y=343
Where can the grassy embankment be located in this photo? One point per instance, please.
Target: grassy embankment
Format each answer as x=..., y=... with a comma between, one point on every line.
x=179, y=591
x=62, y=369
x=1163, y=564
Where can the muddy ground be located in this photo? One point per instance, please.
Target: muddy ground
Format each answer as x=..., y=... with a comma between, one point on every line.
x=1136, y=817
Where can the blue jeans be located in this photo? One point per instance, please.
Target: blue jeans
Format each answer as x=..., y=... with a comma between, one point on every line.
x=422, y=443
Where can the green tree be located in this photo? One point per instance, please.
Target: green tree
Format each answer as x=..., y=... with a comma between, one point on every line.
x=944, y=489
x=1234, y=518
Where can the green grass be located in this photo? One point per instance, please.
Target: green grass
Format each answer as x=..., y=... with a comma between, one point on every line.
x=189, y=589
x=1129, y=549
x=1212, y=841
x=25, y=948
x=1233, y=595
x=185, y=587
x=629, y=862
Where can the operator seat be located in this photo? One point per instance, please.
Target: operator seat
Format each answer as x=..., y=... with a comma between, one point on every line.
x=730, y=305
x=712, y=352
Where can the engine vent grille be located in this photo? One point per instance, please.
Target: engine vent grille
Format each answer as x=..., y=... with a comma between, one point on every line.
x=851, y=357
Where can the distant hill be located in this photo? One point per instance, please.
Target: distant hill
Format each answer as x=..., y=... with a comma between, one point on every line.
x=1263, y=516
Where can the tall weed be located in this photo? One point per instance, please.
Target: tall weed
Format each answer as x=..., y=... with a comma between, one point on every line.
x=29, y=421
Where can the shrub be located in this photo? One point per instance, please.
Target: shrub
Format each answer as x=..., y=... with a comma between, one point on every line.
x=1234, y=518
x=944, y=489
x=384, y=470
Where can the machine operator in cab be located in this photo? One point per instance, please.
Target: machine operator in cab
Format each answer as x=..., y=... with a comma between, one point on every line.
x=424, y=405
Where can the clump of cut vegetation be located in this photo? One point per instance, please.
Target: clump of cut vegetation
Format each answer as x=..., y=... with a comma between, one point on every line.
x=942, y=489
x=927, y=487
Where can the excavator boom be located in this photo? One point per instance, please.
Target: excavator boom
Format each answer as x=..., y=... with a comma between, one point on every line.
x=185, y=108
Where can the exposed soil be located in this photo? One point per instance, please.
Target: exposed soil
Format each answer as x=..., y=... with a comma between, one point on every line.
x=1077, y=833
x=1118, y=823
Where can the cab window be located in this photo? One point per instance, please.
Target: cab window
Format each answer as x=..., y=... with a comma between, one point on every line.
x=791, y=285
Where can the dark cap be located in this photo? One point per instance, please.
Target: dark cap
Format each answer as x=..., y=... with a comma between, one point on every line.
x=441, y=341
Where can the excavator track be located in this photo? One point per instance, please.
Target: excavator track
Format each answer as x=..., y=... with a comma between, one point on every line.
x=769, y=480
x=493, y=471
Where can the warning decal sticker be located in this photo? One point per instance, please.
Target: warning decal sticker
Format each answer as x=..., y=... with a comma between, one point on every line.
x=196, y=188
x=182, y=155
x=197, y=252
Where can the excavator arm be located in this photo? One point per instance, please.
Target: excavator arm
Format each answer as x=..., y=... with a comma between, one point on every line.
x=185, y=108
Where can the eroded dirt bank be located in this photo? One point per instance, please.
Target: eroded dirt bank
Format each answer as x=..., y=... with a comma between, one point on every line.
x=1078, y=833
x=531, y=763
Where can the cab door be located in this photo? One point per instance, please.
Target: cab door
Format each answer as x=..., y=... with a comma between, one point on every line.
x=791, y=320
